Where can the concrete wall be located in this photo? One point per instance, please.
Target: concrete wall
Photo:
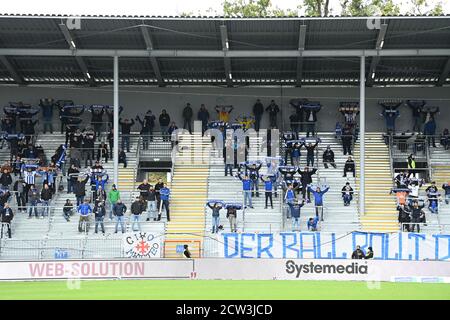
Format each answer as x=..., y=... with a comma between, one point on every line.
x=136, y=100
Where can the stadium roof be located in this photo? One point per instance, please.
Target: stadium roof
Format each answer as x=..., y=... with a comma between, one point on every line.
x=52, y=49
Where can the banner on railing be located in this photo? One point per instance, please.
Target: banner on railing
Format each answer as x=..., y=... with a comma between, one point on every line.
x=321, y=245
x=141, y=245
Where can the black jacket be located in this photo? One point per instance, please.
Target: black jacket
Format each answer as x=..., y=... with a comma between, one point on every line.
x=164, y=120
x=99, y=211
x=328, y=155
x=306, y=176
x=7, y=215
x=5, y=179
x=357, y=254
x=79, y=187
x=46, y=194
x=144, y=190
x=137, y=207
x=258, y=109
x=187, y=113
x=126, y=127
x=349, y=165
x=119, y=209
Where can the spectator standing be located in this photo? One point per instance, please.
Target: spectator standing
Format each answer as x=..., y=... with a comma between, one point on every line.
x=79, y=189
x=268, y=188
x=137, y=207
x=310, y=153
x=187, y=117
x=246, y=189
x=97, y=113
x=158, y=186
x=7, y=216
x=295, y=214
x=19, y=190
x=126, y=131
x=84, y=211
x=203, y=116
x=164, y=121
x=232, y=217
x=311, y=119
x=46, y=197
x=273, y=110
x=318, y=200
x=119, y=212
x=347, y=138
x=306, y=179
x=446, y=188
x=99, y=214
x=123, y=157
x=258, y=110
x=47, y=106
x=165, y=195
x=102, y=152
x=33, y=200
x=5, y=179
x=417, y=216
x=430, y=131
x=215, y=207
x=113, y=197
x=72, y=176
x=151, y=204
x=148, y=124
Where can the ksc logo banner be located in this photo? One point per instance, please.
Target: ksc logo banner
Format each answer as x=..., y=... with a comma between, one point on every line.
x=141, y=245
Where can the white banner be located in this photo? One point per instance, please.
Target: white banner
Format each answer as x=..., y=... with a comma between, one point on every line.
x=141, y=245
x=324, y=269
x=97, y=269
x=321, y=245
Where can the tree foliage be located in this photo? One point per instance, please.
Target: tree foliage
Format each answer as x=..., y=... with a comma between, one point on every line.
x=254, y=8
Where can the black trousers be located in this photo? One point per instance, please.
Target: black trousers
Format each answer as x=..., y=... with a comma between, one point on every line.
x=8, y=226
x=21, y=203
x=305, y=190
x=269, y=197
x=347, y=148
x=164, y=204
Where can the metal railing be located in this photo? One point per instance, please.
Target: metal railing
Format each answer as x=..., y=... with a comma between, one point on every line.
x=425, y=227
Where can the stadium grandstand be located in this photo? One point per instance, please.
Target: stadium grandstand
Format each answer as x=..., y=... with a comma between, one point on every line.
x=197, y=129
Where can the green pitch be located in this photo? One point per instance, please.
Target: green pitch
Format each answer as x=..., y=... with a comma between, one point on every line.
x=221, y=290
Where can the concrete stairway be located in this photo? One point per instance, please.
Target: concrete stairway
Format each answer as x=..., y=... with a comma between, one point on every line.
x=381, y=214
x=188, y=195
x=337, y=217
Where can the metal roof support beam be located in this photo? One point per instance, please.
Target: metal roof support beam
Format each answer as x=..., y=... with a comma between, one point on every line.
x=226, y=60
x=376, y=59
x=445, y=73
x=69, y=39
x=153, y=61
x=12, y=70
x=301, y=47
x=221, y=54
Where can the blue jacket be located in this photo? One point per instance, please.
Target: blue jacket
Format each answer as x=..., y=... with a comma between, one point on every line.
x=430, y=127
x=84, y=209
x=295, y=209
x=165, y=193
x=268, y=185
x=318, y=196
x=101, y=183
x=312, y=224
x=289, y=196
x=246, y=183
